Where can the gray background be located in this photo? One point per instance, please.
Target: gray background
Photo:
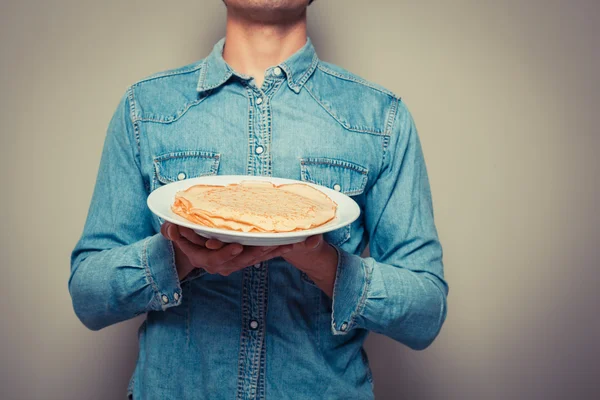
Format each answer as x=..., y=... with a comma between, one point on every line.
x=506, y=97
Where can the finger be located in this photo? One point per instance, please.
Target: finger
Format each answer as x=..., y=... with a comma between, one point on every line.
x=192, y=236
x=313, y=242
x=194, y=252
x=308, y=244
x=270, y=253
x=170, y=231
x=163, y=230
x=214, y=244
x=277, y=252
x=223, y=255
x=249, y=256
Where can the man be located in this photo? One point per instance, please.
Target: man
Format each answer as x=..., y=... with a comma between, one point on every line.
x=226, y=321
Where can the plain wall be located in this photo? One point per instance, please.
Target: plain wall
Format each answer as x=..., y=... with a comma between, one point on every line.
x=506, y=97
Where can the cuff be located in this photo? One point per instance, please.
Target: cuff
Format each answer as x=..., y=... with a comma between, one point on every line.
x=158, y=258
x=350, y=289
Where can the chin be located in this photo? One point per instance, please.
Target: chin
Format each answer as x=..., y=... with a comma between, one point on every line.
x=268, y=10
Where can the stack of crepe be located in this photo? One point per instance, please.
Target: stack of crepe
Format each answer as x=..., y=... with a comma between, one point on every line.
x=255, y=206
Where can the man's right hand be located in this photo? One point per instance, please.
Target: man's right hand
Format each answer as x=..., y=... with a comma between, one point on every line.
x=194, y=251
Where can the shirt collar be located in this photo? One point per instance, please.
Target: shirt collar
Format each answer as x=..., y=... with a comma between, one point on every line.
x=298, y=68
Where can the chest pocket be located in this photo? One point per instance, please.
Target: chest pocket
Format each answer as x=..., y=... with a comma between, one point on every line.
x=182, y=165
x=339, y=175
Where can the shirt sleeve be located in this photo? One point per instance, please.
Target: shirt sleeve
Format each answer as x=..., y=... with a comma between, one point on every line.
x=121, y=267
x=399, y=291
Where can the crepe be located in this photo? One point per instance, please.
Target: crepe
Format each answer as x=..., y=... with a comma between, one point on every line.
x=255, y=206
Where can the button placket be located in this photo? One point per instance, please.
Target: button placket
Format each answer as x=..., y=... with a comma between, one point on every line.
x=255, y=280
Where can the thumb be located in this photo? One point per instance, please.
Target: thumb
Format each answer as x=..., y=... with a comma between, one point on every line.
x=312, y=242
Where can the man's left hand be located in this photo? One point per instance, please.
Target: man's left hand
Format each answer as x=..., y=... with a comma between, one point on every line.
x=314, y=256
x=317, y=259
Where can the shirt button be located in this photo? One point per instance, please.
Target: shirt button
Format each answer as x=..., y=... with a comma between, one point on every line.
x=176, y=296
x=259, y=150
x=259, y=100
x=253, y=325
x=344, y=327
x=165, y=299
x=337, y=187
x=277, y=71
x=181, y=176
x=257, y=265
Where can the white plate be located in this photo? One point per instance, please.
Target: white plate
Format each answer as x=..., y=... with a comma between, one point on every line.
x=161, y=199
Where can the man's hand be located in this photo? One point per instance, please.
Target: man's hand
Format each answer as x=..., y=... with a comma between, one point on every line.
x=194, y=251
x=317, y=259
x=314, y=256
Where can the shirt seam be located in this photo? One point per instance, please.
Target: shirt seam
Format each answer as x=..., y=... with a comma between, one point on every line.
x=344, y=125
x=136, y=133
x=393, y=115
x=356, y=80
x=178, y=71
x=149, y=276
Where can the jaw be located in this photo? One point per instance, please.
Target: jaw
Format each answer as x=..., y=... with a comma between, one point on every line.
x=267, y=12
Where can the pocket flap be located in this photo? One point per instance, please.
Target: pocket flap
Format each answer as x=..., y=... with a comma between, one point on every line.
x=342, y=176
x=177, y=166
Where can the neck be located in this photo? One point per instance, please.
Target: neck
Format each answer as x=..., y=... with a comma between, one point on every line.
x=253, y=46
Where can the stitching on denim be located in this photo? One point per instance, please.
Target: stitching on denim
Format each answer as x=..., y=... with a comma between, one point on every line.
x=305, y=175
x=251, y=141
x=338, y=273
x=174, y=274
x=178, y=114
x=263, y=351
x=202, y=77
x=347, y=192
x=334, y=162
x=363, y=299
x=243, y=336
x=148, y=272
x=132, y=115
x=136, y=133
x=262, y=298
x=356, y=80
x=309, y=71
x=158, y=177
x=267, y=156
x=343, y=123
x=297, y=85
x=178, y=71
x=290, y=78
x=188, y=153
x=258, y=341
x=219, y=83
x=391, y=117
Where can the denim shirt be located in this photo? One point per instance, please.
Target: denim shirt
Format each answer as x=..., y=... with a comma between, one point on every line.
x=267, y=331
